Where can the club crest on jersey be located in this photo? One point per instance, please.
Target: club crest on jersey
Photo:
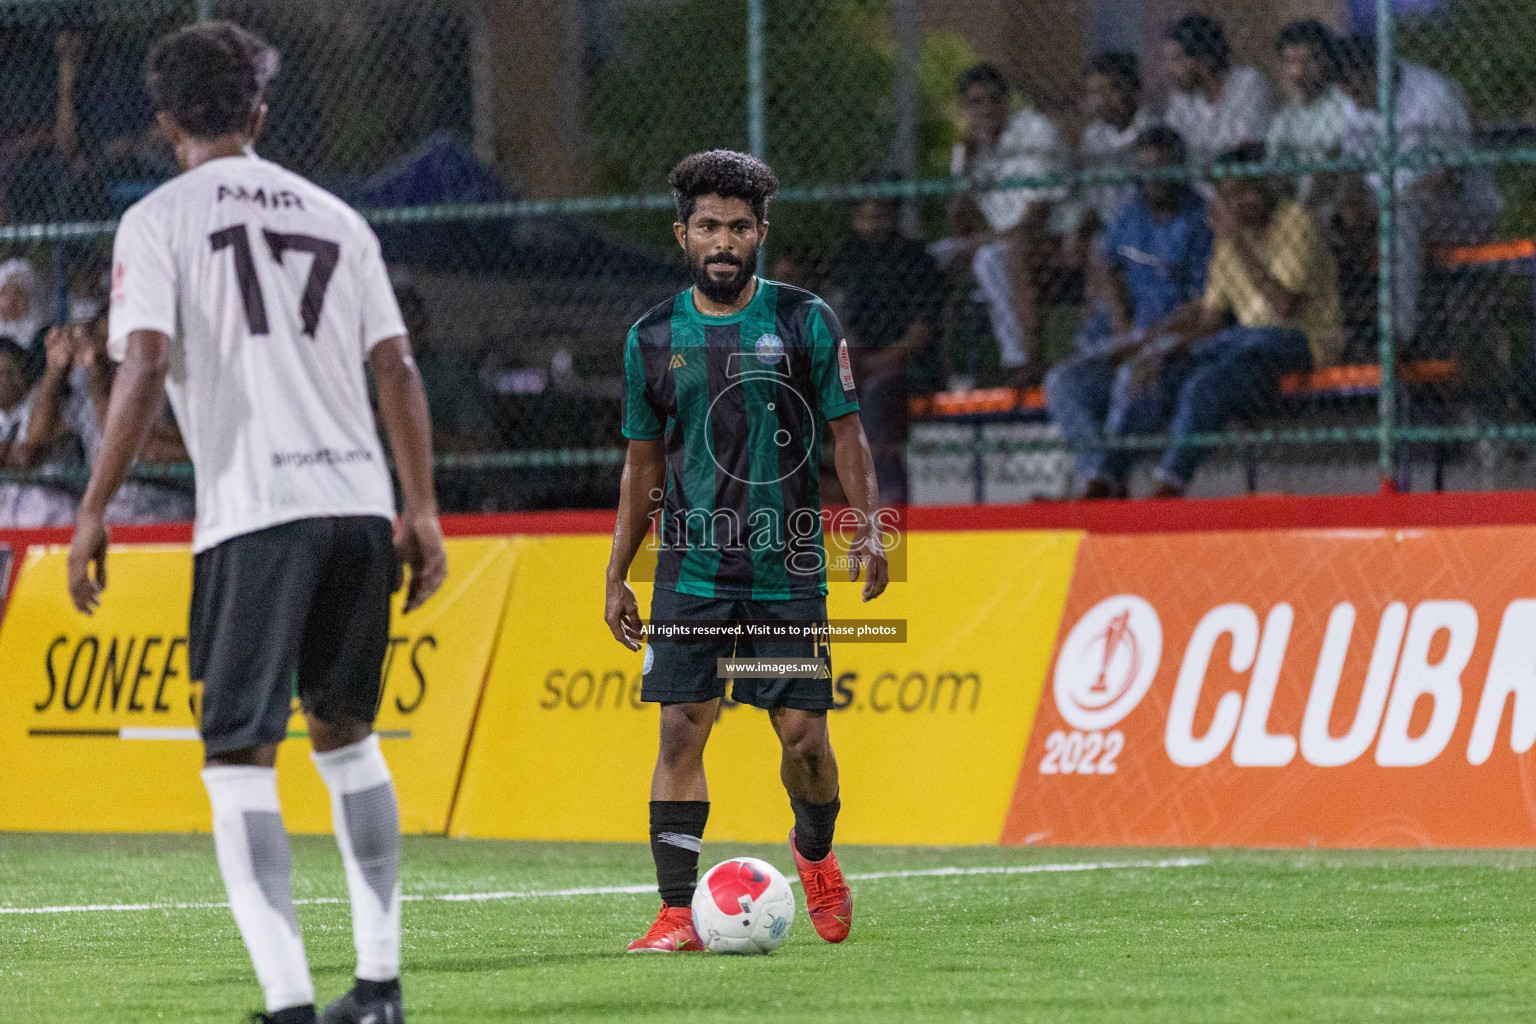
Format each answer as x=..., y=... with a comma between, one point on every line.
x=844, y=365
x=770, y=349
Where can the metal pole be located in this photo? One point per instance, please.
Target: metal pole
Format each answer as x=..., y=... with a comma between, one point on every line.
x=907, y=26
x=757, y=98
x=204, y=10
x=1386, y=239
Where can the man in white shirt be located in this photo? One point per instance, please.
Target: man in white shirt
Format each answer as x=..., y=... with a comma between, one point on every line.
x=1435, y=205
x=1311, y=127
x=252, y=298
x=1008, y=253
x=1215, y=107
x=1113, y=95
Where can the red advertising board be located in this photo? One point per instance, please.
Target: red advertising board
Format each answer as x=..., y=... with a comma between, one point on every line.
x=1338, y=688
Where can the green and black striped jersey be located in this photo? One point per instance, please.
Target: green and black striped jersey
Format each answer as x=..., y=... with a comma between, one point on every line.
x=740, y=401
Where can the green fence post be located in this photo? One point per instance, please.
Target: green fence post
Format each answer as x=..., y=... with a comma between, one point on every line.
x=1386, y=239
x=757, y=98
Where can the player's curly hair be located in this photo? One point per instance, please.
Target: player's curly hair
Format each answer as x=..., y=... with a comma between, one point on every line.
x=210, y=77
x=725, y=173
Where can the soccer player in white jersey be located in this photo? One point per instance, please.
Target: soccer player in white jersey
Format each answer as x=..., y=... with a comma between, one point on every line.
x=253, y=298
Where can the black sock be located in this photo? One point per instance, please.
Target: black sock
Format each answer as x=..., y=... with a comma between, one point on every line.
x=677, y=833
x=368, y=991
x=814, y=824
x=295, y=1015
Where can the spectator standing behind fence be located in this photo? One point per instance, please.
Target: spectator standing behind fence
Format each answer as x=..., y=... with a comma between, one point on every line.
x=1214, y=106
x=69, y=125
x=1152, y=262
x=1004, y=234
x=69, y=407
x=1312, y=125
x=1274, y=275
x=23, y=314
x=889, y=299
x=1112, y=89
x=1435, y=206
x=462, y=418
x=41, y=502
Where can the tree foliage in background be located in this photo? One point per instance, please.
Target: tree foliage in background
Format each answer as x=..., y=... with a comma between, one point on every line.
x=1489, y=47
x=677, y=83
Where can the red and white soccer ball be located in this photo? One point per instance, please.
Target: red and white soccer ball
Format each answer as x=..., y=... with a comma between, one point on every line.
x=743, y=905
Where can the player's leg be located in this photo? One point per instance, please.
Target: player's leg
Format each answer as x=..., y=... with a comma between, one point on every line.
x=808, y=769
x=249, y=599
x=797, y=707
x=681, y=677
x=340, y=668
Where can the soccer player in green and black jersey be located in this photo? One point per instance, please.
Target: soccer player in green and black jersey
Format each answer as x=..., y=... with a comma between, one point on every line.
x=731, y=389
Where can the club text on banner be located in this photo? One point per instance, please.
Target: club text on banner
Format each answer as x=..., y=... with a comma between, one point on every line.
x=1291, y=688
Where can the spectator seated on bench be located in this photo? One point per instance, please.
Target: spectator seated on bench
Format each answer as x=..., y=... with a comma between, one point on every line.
x=1274, y=275
x=1153, y=261
x=889, y=293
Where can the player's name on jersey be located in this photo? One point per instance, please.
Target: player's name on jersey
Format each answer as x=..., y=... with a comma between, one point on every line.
x=267, y=199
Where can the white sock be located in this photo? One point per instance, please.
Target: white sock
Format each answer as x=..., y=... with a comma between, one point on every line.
x=252, y=845
x=366, y=817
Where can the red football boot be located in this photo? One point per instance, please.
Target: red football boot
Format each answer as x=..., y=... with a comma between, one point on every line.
x=827, y=895
x=673, y=932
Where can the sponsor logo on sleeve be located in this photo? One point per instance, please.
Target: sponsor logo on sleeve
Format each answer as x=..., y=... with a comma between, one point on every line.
x=844, y=365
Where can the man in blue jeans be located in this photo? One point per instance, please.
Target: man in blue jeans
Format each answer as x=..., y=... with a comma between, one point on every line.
x=1152, y=261
x=1271, y=307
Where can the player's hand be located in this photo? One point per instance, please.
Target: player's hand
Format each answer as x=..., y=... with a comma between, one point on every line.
x=622, y=613
x=868, y=551
x=88, y=550
x=60, y=348
x=419, y=545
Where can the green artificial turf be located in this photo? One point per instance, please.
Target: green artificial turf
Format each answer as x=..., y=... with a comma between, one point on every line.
x=1282, y=936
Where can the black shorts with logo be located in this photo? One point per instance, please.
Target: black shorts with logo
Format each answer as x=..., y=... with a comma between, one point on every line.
x=685, y=672
x=301, y=608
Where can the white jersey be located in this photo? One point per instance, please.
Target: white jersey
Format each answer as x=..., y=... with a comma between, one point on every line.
x=273, y=292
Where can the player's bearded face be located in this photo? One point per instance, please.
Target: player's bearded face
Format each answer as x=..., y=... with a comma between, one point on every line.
x=719, y=274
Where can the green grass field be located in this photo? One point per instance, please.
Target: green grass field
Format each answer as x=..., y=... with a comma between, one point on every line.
x=1242, y=936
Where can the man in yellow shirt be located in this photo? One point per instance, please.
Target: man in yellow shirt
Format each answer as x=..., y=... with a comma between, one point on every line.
x=1271, y=307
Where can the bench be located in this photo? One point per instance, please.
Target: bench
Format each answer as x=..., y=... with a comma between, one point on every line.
x=1298, y=391
x=1357, y=381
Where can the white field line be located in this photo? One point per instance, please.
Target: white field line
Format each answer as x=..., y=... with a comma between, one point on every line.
x=631, y=890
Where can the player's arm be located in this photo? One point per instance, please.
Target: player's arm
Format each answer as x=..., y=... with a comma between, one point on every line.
x=136, y=396
x=403, y=408
x=856, y=472
x=640, y=492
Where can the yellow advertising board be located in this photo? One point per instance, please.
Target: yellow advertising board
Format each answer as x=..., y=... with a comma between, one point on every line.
x=929, y=733
x=98, y=715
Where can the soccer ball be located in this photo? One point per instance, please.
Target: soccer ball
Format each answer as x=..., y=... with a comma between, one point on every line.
x=743, y=906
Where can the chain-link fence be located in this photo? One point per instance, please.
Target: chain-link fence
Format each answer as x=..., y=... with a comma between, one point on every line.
x=1079, y=247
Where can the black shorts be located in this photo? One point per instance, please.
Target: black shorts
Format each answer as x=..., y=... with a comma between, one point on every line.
x=684, y=672
x=300, y=609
